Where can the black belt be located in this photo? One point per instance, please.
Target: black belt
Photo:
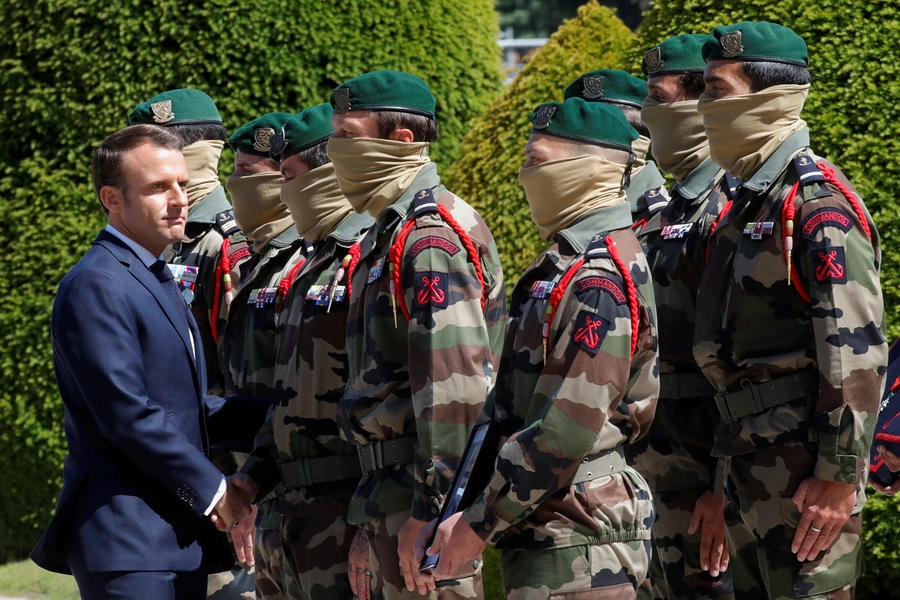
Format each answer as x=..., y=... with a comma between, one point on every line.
x=387, y=453
x=754, y=398
x=674, y=386
x=324, y=469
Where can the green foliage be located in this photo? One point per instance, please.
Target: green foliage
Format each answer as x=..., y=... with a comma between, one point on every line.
x=881, y=524
x=492, y=152
x=851, y=109
x=70, y=72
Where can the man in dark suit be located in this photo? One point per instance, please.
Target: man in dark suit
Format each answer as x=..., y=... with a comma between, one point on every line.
x=133, y=517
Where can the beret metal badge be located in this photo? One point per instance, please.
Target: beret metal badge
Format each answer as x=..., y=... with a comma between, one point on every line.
x=162, y=111
x=593, y=87
x=277, y=141
x=341, y=98
x=653, y=61
x=731, y=44
x=262, y=139
x=543, y=116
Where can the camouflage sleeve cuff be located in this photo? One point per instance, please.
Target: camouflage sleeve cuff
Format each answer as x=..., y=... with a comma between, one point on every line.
x=485, y=522
x=263, y=471
x=844, y=468
x=425, y=507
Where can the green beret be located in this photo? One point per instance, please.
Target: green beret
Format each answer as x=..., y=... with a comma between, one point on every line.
x=384, y=90
x=256, y=136
x=587, y=122
x=677, y=55
x=756, y=41
x=609, y=85
x=176, y=107
x=303, y=131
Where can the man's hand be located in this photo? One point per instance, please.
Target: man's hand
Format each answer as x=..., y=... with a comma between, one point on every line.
x=824, y=507
x=235, y=503
x=890, y=459
x=709, y=519
x=358, y=569
x=406, y=544
x=457, y=544
x=242, y=538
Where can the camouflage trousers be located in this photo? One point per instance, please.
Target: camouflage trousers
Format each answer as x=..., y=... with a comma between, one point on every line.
x=675, y=568
x=761, y=518
x=387, y=578
x=615, y=571
x=269, y=554
x=236, y=584
x=315, y=557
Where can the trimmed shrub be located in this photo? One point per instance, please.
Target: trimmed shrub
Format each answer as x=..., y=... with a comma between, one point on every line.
x=493, y=151
x=70, y=72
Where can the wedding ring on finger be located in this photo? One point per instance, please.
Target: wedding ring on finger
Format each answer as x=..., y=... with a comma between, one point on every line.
x=816, y=529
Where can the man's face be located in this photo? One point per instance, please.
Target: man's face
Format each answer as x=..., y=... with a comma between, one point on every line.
x=666, y=89
x=154, y=210
x=251, y=164
x=355, y=124
x=543, y=148
x=725, y=78
x=292, y=167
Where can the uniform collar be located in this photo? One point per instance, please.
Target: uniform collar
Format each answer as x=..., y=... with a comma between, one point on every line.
x=580, y=233
x=775, y=164
x=285, y=238
x=698, y=181
x=426, y=178
x=647, y=179
x=209, y=206
x=351, y=229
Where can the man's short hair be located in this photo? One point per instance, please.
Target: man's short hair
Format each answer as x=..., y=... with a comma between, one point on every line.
x=198, y=133
x=106, y=167
x=692, y=84
x=313, y=157
x=764, y=74
x=633, y=116
x=424, y=129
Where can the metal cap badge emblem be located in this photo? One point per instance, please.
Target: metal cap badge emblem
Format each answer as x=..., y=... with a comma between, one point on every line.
x=543, y=116
x=162, y=111
x=277, y=142
x=262, y=139
x=731, y=44
x=341, y=97
x=593, y=87
x=653, y=61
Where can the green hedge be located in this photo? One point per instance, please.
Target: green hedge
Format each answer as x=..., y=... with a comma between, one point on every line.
x=71, y=70
x=493, y=151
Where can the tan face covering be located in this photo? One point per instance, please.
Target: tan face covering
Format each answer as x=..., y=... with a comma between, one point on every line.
x=745, y=130
x=316, y=202
x=679, y=140
x=258, y=210
x=561, y=191
x=373, y=173
x=640, y=147
x=202, y=159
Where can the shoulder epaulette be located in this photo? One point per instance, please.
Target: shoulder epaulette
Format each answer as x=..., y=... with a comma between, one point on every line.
x=656, y=199
x=731, y=185
x=423, y=203
x=226, y=224
x=807, y=170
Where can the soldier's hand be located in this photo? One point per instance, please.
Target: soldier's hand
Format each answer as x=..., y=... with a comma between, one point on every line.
x=242, y=538
x=457, y=544
x=824, y=508
x=358, y=567
x=887, y=490
x=406, y=546
x=709, y=519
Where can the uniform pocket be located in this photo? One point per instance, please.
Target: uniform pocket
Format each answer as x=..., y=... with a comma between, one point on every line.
x=622, y=591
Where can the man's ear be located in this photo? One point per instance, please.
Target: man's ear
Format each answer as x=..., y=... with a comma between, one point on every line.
x=403, y=135
x=112, y=198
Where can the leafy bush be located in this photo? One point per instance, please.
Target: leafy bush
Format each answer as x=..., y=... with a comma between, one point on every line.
x=492, y=151
x=70, y=72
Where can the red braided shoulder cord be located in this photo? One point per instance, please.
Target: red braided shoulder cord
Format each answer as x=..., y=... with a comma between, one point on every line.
x=712, y=228
x=284, y=287
x=630, y=290
x=353, y=253
x=831, y=177
x=223, y=277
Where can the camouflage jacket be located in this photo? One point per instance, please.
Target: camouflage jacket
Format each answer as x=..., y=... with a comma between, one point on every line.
x=209, y=223
x=247, y=345
x=646, y=192
x=753, y=326
x=427, y=377
x=310, y=373
x=675, y=454
x=589, y=396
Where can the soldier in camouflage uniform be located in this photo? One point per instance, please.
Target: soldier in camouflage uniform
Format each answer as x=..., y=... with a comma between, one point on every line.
x=210, y=229
x=578, y=379
x=425, y=323
x=789, y=326
x=300, y=447
x=646, y=189
x=675, y=455
x=247, y=344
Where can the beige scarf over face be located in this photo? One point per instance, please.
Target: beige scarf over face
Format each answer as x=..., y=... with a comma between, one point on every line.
x=679, y=140
x=202, y=160
x=316, y=202
x=745, y=130
x=640, y=147
x=561, y=191
x=373, y=173
x=258, y=210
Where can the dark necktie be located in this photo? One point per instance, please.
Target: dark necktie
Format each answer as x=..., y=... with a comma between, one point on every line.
x=167, y=280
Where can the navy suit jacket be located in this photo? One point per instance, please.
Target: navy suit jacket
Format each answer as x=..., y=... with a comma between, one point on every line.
x=136, y=479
